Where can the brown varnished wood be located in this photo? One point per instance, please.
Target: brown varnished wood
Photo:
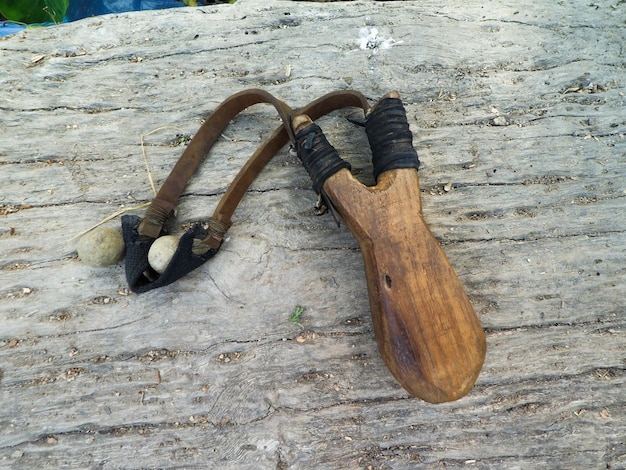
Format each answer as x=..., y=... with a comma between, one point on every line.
x=426, y=329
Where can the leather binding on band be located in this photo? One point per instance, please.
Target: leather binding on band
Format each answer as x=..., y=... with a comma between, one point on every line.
x=318, y=156
x=390, y=138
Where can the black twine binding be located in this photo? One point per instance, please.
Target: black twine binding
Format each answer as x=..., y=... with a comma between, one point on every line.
x=390, y=138
x=318, y=156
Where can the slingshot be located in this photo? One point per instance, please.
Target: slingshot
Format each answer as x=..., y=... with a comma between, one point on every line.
x=425, y=326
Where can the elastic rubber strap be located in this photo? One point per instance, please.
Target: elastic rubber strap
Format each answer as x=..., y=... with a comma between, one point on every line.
x=167, y=197
x=139, y=234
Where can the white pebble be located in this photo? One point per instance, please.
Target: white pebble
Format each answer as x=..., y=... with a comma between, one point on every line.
x=161, y=252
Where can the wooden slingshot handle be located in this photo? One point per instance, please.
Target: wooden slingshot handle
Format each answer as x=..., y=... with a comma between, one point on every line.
x=425, y=326
x=426, y=329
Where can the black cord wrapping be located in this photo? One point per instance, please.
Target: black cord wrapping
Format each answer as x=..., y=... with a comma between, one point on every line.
x=390, y=138
x=318, y=156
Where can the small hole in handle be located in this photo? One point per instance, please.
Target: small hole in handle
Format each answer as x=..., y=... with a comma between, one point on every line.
x=388, y=280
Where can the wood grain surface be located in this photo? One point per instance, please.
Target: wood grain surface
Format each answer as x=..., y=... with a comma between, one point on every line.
x=517, y=111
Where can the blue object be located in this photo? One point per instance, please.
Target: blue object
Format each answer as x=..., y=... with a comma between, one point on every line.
x=84, y=9
x=7, y=28
x=80, y=9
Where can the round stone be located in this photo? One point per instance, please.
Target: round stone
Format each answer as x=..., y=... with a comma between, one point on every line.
x=103, y=246
x=161, y=252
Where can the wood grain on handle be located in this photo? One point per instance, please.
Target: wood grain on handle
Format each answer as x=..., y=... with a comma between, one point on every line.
x=426, y=329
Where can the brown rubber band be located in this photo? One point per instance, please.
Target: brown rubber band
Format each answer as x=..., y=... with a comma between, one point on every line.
x=166, y=199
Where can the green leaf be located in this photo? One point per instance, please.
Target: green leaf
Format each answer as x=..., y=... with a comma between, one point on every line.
x=295, y=316
x=34, y=11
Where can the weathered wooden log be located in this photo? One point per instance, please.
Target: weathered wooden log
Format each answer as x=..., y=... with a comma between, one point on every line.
x=517, y=111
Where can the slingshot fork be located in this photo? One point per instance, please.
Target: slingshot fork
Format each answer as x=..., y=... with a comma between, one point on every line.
x=426, y=329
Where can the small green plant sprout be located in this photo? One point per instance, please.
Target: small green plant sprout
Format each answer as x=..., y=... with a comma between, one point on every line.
x=181, y=139
x=296, y=314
